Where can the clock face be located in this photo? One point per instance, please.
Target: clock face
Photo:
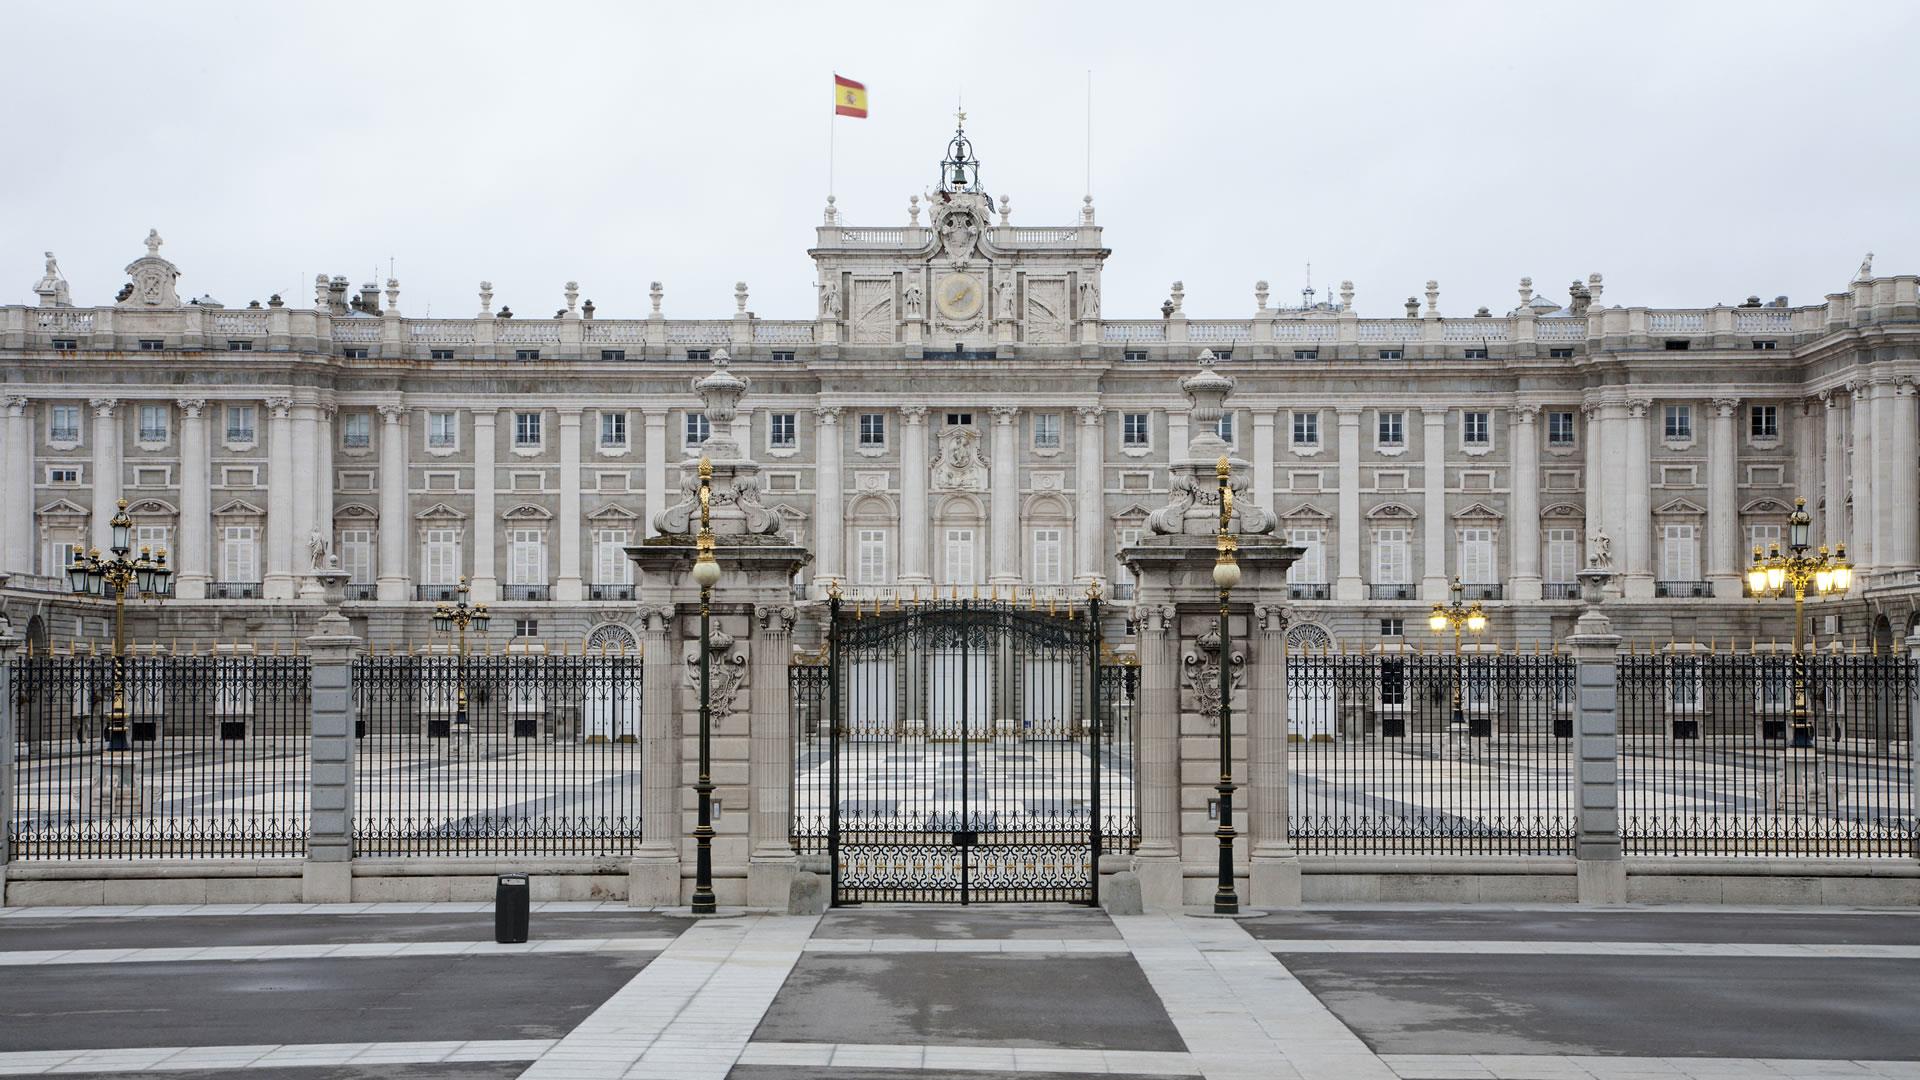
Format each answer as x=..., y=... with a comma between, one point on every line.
x=959, y=296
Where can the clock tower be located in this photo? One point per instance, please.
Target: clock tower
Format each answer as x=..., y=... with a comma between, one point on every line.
x=962, y=282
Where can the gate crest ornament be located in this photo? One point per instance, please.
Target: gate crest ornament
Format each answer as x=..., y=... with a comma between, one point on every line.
x=960, y=465
x=726, y=672
x=1200, y=672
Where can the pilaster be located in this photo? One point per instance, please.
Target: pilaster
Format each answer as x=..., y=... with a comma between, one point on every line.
x=1433, y=529
x=656, y=467
x=106, y=470
x=1638, y=499
x=192, y=549
x=567, y=583
x=10, y=644
x=485, y=584
x=1596, y=778
x=1004, y=508
x=913, y=495
x=394, y=583
x=1860, y=532
x=282, y=490
x=1724, y=542
x=1348, y=584
x=1090, y=531
x=1274, y=866
x=1524, y=434
x=18, y=527
x=1157, y=860
x=829, y=536
x=1833, y=524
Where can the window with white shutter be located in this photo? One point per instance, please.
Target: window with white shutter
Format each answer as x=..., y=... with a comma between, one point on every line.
x=526, y=557
x=440, y=557
x=356, y=555
x=610, y=563
x=1679, y=553
x=1311, y=567
x=870, y=545
x=959, y=557
x=1476, y=557
x=239, y=553
x=1392, y=559
x=1563, y=556
x=1047, y=556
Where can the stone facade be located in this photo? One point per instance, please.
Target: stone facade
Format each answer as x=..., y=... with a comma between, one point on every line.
x=958, y=412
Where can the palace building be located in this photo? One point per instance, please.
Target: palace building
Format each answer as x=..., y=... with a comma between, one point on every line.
x=959, y=412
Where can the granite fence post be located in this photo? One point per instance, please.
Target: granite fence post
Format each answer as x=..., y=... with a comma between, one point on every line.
x=9, y=648
x=327, y=876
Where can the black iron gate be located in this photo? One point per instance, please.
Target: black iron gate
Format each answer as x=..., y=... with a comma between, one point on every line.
x=964, y=760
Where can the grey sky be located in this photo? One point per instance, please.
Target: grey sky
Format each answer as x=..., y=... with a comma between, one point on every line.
x=1691, y=152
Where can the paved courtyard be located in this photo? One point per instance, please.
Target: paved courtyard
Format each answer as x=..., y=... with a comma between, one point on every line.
x=392, y=991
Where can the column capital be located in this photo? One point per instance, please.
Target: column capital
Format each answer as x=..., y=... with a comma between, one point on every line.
x=1591, y=409
x=913, y=415
x=279, y=406
x=1434, y=413
x=328, y=410
x=1637, y=407
x=190, y=407
x=1156, y=619
x=1091, y=415
x=1348, y=414
x=776, y=618
x=1830, y=397
x=827, y=415
x=1726, y=407
x=1005, y=415
x=1526, y=413
x=569, y=413
x=1271, y=618
x=16, y=404
x=1903, y=386
x=103, y=406
x=391, y=413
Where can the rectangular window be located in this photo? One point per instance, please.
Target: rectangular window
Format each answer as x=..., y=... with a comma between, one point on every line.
x=1474, y=429
x=239, y=346
x=1476, y=557
x=1047, y=557
x=1764, y=421
x=699, y=354
x=1306, y=354
x=1559, y=354
x=152, y=539
x=239, y=554
x=1393, y=354
x=781, y=356
x=1766, y=345
x=439, y=354
x=1559, y=429
x=152, y=344
x=153, y=423
x=1392, y=560
x=63, y=474
x=1223, y=354
x=1392, y=429
x=526, y=628
x=613, y=354
x=60, y=555
x=1311, y=567
x=783, y=431
x=959, y=419
x=356, y=430
x=1679, y=553
x=610, y=563
x=443, y=430
x=1124, y=539
x=526, y=354
x=63, y=424
x=870, y=550
x=1476, y=354
x=1134, y=355
x=698, y=429
x=1225, y=427
x=1046, y=431
x=873, y=429
x=356, y=555
x=526, y=557
x=1393, y=627
x=526, y=429
x=958, y=557
x=240, y=424
x=1563, y=556
x=1678, y=344
x=354, y=354
x=613, y=430
x=65, y=344
x=1134, y=430
x=1306, y=429
x=440, y=557
x=1679, y=422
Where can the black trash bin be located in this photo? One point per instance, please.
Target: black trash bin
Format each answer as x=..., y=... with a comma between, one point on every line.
x=510, y=909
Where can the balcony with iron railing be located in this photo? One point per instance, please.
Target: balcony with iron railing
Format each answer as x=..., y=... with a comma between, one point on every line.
x=1483, y=591
x=239, y=435
x=64, y=435
x=1124, y=590
x=1308, y=591
x=1560, y=590
x=1683, y=589
x=609, y=592
x=1393, y=592
x=233, y=590
x=439, y=593
x=526, y=592
x=153, y=434
x=356, y=440
x=363, y=592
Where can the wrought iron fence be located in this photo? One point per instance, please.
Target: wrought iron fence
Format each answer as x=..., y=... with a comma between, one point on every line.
x=1409, y=753
x=1740, y=754
x=215, y=766
x=497, y=755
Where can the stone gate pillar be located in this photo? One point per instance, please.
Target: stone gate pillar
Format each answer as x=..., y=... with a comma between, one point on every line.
x=1181, y=654
x=750, y=646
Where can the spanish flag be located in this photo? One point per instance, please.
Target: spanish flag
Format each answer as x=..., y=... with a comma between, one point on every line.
x=849, y=98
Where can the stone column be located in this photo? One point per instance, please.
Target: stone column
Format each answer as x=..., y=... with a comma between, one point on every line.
x=1724, y=543
x=485, y=584
x=1638, y=498
x=1090, y=483
x=192, y=548
x=1902, y=452
x=323, y=486
x=106, y=470
x=394, y=583
x=1004, y=479
x=1525, y=535
x=1885, y=446
x=1274, y=870
x=9, y=720
x=303, y=465
x=770, y=857
x=282, y=494
x=656, y=467
x=327, y=876
x=1859, y=534
x=1834, y=523
x=567, y=582
x=1433, y=576
x=830, y=534
x=1157, y=774
x=18, y=529
x=1263, y=483
x=1593, y=480
x=1349, y=585
x=1596, y=780
x=653, y=878
x=914, y=513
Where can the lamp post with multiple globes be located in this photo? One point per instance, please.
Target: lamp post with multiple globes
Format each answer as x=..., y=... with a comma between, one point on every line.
x=455, y=618
x=1458, y=616
x=1774, y=573
x=93, y=574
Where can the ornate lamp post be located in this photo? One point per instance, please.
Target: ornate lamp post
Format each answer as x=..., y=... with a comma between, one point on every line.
x=1773, y=573
x=1458, y=615
x=93, y=575
x=456, y=617
x=1226, y=574
x=706, y=574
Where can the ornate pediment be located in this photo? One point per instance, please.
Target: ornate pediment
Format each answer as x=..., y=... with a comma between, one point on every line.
x=1680, y=506
x=1479, y=511
x=355, y=512
x=153, y=279
x=1392, y=510
x=441, y=510
x=613, y=512
x=1564, y=510
x=1765, y=505
x=528, y=512
x=238, y=508
x=64, y=508
x=1306, y=512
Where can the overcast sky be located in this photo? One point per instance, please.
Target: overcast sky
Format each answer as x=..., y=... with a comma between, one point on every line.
x=1693, y=153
